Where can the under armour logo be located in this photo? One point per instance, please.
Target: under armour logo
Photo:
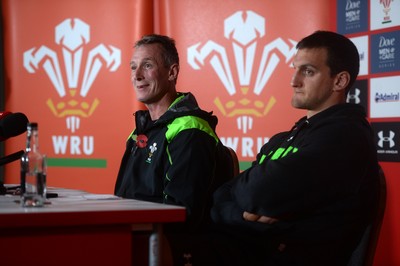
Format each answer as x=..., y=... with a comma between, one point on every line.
x=383, y=139
x=354, y=97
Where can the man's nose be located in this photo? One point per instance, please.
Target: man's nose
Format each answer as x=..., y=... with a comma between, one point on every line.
x=137, y=75
x=295, y=81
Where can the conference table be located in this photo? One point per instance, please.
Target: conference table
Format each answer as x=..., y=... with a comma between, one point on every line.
x=80, y=228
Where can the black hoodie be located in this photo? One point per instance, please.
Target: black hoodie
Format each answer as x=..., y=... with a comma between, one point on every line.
x=320, y=180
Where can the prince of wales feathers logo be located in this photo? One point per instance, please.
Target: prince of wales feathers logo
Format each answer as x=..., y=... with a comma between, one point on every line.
x=386, y=10
x=244, y=30
x=73, y=36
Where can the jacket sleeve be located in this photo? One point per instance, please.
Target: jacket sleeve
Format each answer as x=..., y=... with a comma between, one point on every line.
x=191, y=173
x=328, y=165
x=226, y=209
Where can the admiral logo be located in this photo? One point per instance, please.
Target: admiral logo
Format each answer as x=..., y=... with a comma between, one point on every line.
x=387, y=141
x=72, y=37
x=386, y=97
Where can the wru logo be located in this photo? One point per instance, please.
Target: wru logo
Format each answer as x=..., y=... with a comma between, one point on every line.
x=244, y=29
x=72, y=35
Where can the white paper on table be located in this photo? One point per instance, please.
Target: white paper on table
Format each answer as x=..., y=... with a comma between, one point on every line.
x=100, y=197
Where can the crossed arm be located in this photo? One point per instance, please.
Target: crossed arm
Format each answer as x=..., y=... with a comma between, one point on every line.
x=251, y=217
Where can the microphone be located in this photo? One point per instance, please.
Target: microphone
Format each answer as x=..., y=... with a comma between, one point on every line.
x=12, y=124
x=3, y=114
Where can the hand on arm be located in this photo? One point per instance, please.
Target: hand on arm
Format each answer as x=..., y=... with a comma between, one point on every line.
x=251, y=217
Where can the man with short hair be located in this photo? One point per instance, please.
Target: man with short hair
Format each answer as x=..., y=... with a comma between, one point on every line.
x=307, y=198
x=174, y=155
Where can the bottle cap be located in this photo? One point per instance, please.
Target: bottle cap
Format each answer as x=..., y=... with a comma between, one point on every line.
x=32, y=125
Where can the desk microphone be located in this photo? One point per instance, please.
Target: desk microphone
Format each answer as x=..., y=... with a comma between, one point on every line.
x=12, y=124
x=8, y=159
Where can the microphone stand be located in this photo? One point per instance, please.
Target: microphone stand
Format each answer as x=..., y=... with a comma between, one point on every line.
x=5, y=160
x=11, y=158
x=3, y=190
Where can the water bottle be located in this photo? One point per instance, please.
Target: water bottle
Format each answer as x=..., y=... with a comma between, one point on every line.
x=33, y=171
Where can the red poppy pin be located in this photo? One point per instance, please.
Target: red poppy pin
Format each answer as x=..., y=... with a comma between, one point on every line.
x=141, y=141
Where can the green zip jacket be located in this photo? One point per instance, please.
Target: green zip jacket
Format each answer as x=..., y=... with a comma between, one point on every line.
x=174, y=160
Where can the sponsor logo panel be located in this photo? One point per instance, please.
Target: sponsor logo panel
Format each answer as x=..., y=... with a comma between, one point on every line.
x=385, y=52
x=384, y=14
x=352, y=16
x=385, y=97
x=362, y=47
x=358, y=94
x=387, y=136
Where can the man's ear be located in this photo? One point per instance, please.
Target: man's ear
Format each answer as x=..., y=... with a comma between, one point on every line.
x=342, y=79
x=173, y=72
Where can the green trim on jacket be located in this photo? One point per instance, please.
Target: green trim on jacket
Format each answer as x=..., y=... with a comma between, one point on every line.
x=188, y=122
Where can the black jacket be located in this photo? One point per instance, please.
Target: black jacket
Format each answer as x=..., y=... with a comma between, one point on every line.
x=174, y=160
x=320, y=180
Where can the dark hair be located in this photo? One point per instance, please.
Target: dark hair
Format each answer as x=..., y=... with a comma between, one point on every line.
x=170, y=53
x=342, y=53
